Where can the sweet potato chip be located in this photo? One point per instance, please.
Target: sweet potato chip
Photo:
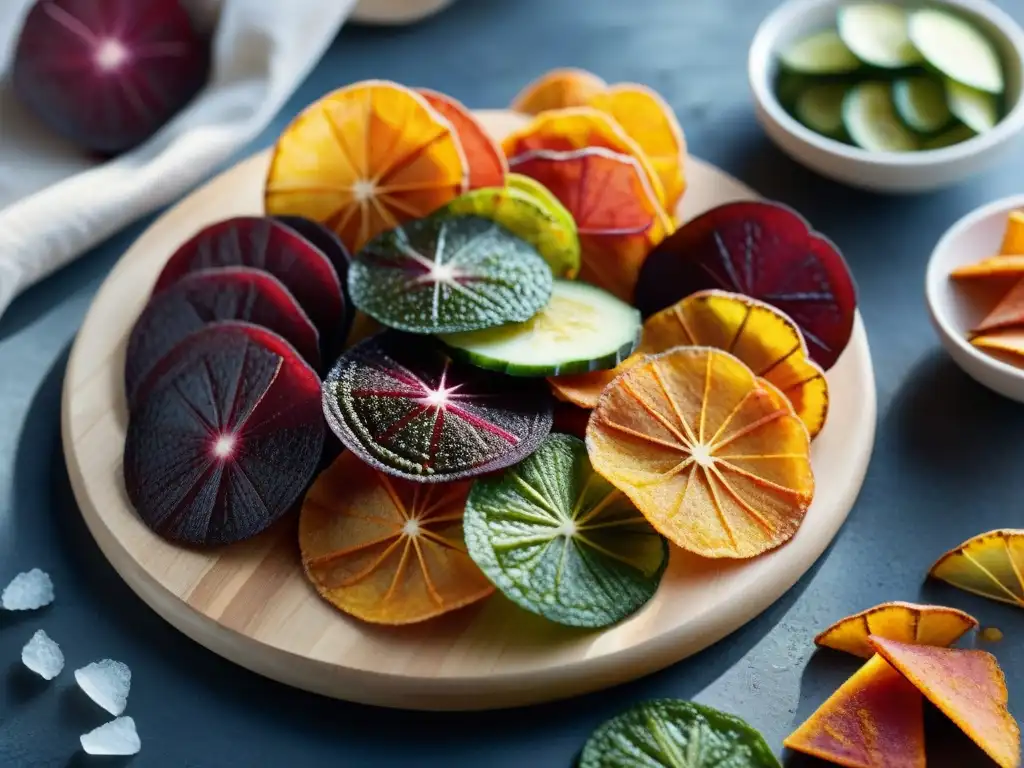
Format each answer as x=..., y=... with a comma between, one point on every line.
x=714, y=458
x=992, y=268
x=646, y=117
x=763, y=337
x=874, y=720
x=1013, y=238
x=906, y=622
x=990, y=565
x=1009, y=341
x=563, y=130
x=968, y=686
x=1007, y=313
x=559, y=88
x=384, y=549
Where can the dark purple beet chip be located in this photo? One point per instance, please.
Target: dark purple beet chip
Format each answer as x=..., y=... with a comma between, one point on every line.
x=399, y=403
x=768, y=252
x=107, y=74
x=328, y=243
x=323, y=238
x=262, y=243
x=207, y=296
x=226, y=435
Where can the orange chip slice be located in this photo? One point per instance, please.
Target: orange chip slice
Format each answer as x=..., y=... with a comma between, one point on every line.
x=617, y=215
x=364, y=159
x=715, y=459
x=874, y=720
x=387, y=550
x=992, y=268
x=1013, y=237
x=1007, y=313
x=564, y=130
x=559, y=88
x=990, y=565
x=486, y=161
x=1007, y=340
x=968, y=686
x=584, y=389
x=651, y=123
x=906, y=622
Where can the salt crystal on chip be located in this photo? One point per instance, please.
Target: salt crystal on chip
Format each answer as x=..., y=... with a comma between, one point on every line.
x=28, y=591
x=43, y=656
x=106, y=682
x=118, y=737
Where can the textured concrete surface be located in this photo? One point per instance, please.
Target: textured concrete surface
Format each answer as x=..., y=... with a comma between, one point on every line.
x=946, y=463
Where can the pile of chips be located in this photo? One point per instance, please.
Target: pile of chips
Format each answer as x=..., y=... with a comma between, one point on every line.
x=551, y=382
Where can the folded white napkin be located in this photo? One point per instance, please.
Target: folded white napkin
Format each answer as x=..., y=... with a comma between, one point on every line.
x=56, y=203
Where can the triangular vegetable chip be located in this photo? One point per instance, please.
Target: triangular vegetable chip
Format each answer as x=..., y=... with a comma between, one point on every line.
x=874, y=720
x=990, y=565
x=1008, y=312
x=907, y=622
x=1006, y=340
x=968, y=686
x=1013, y=238
x=992, y=268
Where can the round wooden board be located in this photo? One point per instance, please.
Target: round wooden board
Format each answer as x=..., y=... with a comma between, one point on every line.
x=251, y=603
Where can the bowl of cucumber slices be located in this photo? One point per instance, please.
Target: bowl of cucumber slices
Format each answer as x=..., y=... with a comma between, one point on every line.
x=890, y=96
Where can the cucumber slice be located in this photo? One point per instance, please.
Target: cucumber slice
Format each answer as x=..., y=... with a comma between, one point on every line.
x=870, y=119
x=957, y=49
x=823, y=53
x=955, y=135
x=876, y=33
x=921, y=104
x=820, y=108
x=582, y=329
x=789, y=86
x=976, y=109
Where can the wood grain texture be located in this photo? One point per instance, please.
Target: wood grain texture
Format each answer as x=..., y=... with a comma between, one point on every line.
x=251, y=604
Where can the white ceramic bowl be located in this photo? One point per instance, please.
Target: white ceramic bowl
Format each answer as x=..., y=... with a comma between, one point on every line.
x=955, y=308
x=882, y=171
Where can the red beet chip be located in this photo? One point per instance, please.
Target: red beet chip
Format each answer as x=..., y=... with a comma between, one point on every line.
x=766, y=251
x=207, y=296
x=107, y=74
x=399, y=403
x=262, y=243
x=226, y=435
x=322, y=238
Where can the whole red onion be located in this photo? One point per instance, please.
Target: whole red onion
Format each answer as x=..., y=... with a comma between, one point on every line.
x=107, y=74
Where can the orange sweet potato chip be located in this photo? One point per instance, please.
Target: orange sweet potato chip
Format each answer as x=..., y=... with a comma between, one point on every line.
x=968, y=686
x=908, y=622
x=1009, y=341
x=1013, y=239
x=875, y=720
x=1008, y=312
x=992, y=268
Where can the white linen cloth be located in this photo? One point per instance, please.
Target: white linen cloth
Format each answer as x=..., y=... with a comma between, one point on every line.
x=56, y=203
